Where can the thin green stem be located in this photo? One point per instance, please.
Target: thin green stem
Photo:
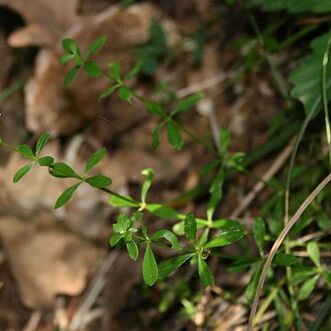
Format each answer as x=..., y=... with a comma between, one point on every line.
x=324, y=94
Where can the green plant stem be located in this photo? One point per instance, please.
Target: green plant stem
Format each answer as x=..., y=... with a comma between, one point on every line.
x=268, y=300
x=324, y=94
x=198, y=140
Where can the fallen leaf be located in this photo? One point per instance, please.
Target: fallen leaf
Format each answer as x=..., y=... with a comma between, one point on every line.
x=46, y=260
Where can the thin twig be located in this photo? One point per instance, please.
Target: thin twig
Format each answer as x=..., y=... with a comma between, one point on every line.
x=275, y=167
x=98, y=284
x=278, y=243
x=34, y=321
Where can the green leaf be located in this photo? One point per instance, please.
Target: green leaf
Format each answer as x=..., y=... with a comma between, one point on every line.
x=307, y=77
x=95, y=159
x=307, y=288
x=162, y=211
x=174, y=135
x=157, y=34
x=70, y=76
x=62, y=170
x=42, y=141
x=125, y=93
x=92, y=68
x=243, y=263
x=66, y=196
x=97, y=45
x=154, y=108
x=122, y=225
x=134, y=71
x=204, y=272
x=25, y=151
x=156, y=137
x=327, y=277
x=46, y=161
x=301, y=273
x=283, y=259
x=149, y=173
x=252, y=285
x=187, y=103
x=259, y=233
x=70, y=46
x=314, y=253
x=132, y=249
x=167, y=235
x=99, y=181
x=114, y=239
x=66, y=58
x=22, y=172
x=150, y=269
x=115, y=69
x=190, y=227
x=216, y=192
x=226, y=238
x=122, y=201
x=169, y=266
x=108, y=91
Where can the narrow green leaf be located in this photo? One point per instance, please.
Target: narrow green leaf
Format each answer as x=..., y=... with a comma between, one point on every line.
x=174, y=135
x=95, y=159
x=22, y=172
x=97, y=45
x=134, y=71
x=70, y=46
x=99, y=181
x=46, y=161
x=187, y=103
x=283, y=259
x=190, y=227
x=123, y=224
x=167, y=235
x=70, y=76
x=259, y=233
x=115, y=69
x=92, y=68
x=132, y=249
x=167, y=267
x=156, y=138
x=62, y=170
x=307, y=288
x=66, y=58
x=149, y=173
x=327, y=277
x=252, y=285
x=114, y=239
x=162, y=211
x=205, y=274
x=108, y=91
x=314, y=253
x=25, y=151
x=66, y=196
x=154, y=108
x=216, y=192
x=226, y=238
x=125, y=93
x=243, y=263
x=42, y=141
x=122, y=201
x=150, y=269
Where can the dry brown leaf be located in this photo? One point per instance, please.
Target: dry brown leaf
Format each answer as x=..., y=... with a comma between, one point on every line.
x=50, y=18
x=46, y=260
x=52, y=108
